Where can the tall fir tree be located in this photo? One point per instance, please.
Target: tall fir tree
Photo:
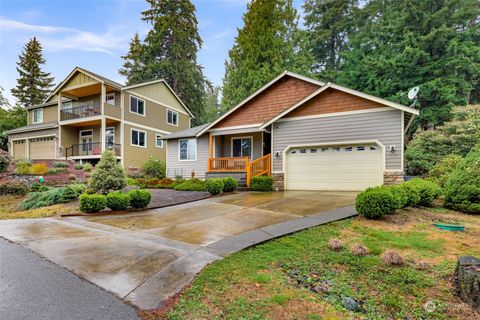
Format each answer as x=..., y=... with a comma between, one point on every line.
x=268, y=43
x=170, y=52
x=33, y=85
x=432, y=44
x=329, y=24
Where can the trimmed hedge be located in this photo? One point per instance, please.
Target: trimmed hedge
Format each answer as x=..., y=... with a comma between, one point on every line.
x=462, y=190
x=139, y=198
x=92, y=202
x=118, y=200
x=373, y=203
x=191, y=185
x=427, y=190
x=262, y=183
x=229, y=184
x=214, y=185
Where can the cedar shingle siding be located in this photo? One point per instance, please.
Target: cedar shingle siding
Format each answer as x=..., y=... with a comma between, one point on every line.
x=270, y=102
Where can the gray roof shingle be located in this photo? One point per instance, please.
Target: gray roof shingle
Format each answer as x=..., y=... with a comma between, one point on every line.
x=191, y=132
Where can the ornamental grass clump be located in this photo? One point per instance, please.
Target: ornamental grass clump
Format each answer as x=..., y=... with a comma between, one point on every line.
x=359, y=250
x=392, y=258
x=335, y=244
x=108, y=176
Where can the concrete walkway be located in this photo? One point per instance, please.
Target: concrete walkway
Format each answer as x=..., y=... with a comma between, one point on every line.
x=146, y=257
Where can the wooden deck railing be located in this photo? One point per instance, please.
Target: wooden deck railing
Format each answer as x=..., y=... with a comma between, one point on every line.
x=253, y=168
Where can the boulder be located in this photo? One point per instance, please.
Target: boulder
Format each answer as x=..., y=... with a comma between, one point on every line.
x=350, y=304
x=467, y=280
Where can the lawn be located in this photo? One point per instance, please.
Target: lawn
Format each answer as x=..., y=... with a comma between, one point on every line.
x=275, y=280
x=10, y=209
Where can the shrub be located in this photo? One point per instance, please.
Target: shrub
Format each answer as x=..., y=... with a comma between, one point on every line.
x=191, y=185
x=108, y=175
x=89, y=191
x=413, y=196
x=4, y=162
x=87, y=167
x=131, y=182
x=359, y=250
x=78, y=166
x=39, y=168
x=48, y=198
x=392, y=258
x=79, y=188
x=23, y=167
x=335, y=244
x=60, y=164
x=154, y=168
x=401, y=195
x=462, y=190
x=72, y=177
x=229, y=184
x=262, y=183
x=139, y=198
x=427, y=190
x=14, y=188
x=92, y=202
x=133, y=172
x=441, y=171
x=375, y=202
x=56, y=170
x=214, y=185
x=118, y=200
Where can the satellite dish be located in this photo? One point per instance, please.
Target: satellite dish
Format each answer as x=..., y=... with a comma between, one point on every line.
x=413, y=93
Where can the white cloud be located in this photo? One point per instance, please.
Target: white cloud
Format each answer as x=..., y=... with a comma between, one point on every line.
x=63, y=38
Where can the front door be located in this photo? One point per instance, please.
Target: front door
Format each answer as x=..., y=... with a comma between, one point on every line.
x=242, y=147
x=110, y=137
x=86, y=142
x=267, y=143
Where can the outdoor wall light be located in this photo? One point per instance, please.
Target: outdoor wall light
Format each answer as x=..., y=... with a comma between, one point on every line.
x=392, y=149
x=277, y=154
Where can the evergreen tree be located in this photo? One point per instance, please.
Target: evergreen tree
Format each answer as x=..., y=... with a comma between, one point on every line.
x=329, y=24
x=169, y=52
x=33, y=85
x=432, y=44
x=269, y=43
x=4, y=103
x=134, y=65
x=212, y=104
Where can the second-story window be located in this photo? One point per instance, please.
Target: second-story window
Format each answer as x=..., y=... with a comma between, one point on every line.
x=137, y=105
x=138, y=138
x=110, y=98
x=172, y=117
x=38, y=115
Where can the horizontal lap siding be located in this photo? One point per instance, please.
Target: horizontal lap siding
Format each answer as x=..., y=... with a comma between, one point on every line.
x=384, y=126
x=185, y=168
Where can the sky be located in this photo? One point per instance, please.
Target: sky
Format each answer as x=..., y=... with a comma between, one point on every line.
x=94, y=34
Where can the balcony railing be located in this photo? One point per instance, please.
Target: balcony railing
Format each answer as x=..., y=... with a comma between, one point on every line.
x=90, y=149
x=88, y=110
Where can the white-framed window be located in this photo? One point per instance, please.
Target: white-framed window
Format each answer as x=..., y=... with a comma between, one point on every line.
x=110, y=98
x=242, y=147
x=38, y=115
x=172, y=117
x=110, y=137
x=187, y=149
x=138, y=138
x=158, y=141
x=137, y=105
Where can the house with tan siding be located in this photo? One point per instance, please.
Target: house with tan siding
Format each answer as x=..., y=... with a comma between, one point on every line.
x=87, y=114
x=307, y=134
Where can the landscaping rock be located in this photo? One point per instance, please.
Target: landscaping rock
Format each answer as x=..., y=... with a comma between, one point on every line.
x=323, y=287
x=467, y=280
x=350, y=304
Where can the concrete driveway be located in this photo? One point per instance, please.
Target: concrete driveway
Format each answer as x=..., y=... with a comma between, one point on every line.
x=148, y=256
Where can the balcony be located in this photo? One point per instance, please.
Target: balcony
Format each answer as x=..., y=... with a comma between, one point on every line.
x=93, y=149
x=85, y=111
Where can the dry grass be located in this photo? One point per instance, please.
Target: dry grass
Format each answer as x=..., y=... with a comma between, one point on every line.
x=335, y=244
x=10, y=209
x=359, y=250
x=392, y=258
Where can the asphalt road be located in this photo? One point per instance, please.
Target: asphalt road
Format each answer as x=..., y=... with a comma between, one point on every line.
x=34, y=288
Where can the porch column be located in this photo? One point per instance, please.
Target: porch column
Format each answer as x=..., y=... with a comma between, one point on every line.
x=211, y=151
x=60, y=145
x=103, y=120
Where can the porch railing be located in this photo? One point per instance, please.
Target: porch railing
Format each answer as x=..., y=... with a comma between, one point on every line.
x=257, y=167
x=88, y=110
x=90, y=149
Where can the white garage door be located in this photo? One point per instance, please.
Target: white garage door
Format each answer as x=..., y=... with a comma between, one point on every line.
x=42, y=148
x=338, y=167
x=18, y=149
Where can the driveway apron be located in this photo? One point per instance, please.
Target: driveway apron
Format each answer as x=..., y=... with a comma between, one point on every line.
x=146, y=257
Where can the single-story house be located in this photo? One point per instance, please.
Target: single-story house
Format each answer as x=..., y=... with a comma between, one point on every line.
x=307, y=134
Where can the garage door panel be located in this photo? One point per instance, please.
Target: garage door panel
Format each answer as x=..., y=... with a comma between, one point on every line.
x=42, y=148
x=353, y=167
x=19, y=149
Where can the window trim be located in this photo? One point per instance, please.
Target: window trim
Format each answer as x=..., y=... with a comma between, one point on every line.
x=111, y=94
x=156, y=137
x=251, y=146
x=135, y=145
x=33, y=116
x=196, y=149
x=173, y=111
x=130, y=105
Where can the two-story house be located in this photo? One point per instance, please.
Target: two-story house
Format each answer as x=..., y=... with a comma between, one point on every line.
x=87, y=114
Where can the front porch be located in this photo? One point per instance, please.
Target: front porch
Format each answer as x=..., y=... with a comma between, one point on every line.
x=242, y=155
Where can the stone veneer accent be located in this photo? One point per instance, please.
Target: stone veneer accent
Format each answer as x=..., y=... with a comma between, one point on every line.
x=278, y=181
x=393, y=177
